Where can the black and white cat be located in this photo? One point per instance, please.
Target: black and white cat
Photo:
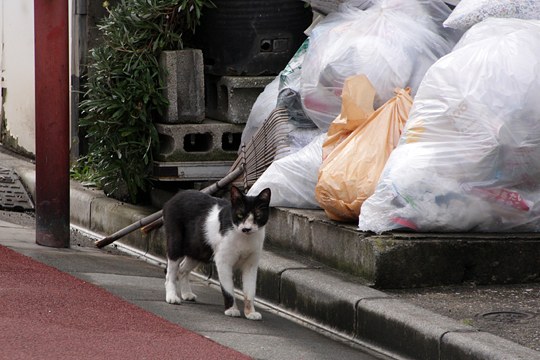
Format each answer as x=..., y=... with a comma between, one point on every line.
x=200, y=228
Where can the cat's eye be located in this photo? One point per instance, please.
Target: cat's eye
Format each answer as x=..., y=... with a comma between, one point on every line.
x=239, y=216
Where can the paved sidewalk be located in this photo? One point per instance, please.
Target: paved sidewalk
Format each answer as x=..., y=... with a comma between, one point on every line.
x=112, y=306
x=48, y=314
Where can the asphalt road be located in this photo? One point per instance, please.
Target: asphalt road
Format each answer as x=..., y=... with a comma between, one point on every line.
x=510, y=311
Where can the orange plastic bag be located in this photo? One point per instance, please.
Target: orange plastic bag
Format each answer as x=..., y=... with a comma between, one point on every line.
x=350, y=172
x=356, y=107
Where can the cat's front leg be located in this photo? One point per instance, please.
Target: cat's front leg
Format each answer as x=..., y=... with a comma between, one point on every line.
x=249, y=283
x=171, y=295
x=225, y=273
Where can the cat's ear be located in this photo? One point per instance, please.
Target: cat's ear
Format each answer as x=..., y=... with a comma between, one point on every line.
x=265, y=195
x=236, y=195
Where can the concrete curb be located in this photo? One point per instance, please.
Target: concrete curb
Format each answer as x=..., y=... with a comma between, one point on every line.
x=312, y=290
x=406, y=260
x=329, y=297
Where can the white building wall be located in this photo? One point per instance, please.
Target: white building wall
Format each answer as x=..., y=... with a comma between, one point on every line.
x=17, y=65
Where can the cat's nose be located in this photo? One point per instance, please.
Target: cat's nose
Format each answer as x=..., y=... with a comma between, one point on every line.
x=246, y=230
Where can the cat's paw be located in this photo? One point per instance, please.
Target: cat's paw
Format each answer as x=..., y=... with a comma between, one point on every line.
x=189, y=296
x=232, y=312
x=173, y=299
x=254, y=316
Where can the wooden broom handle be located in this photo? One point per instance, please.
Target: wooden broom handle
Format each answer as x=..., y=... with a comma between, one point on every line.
x=155, y=220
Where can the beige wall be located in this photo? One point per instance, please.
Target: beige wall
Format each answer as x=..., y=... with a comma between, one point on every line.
x=17, y=64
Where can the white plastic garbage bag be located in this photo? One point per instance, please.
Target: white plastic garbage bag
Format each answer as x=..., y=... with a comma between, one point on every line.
x=393, y=43
x=469, y=156
x=292, y=179
x=469, y=12
x=262, y=108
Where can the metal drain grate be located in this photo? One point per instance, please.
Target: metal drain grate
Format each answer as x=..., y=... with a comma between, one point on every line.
x=13, y=195
x=507, y=316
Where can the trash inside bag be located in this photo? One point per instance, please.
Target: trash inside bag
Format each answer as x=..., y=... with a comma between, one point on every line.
x=349, y=174
x=469, y=12
x=290, y=100
x=356, y=109
x=469, y=156
x=289, y=77
x=393, y=43
x=282, y=92
x=298, y=138
x=292, y=179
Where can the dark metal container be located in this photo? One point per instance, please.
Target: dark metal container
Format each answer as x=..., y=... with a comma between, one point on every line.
x=251, y=37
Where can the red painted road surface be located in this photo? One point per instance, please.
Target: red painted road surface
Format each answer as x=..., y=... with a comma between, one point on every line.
x=48, y=314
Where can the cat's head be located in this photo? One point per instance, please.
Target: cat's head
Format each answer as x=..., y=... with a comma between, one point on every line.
x=249, y=213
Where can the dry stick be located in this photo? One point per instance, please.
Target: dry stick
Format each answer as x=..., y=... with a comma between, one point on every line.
x=128, y=229
x=157, y=217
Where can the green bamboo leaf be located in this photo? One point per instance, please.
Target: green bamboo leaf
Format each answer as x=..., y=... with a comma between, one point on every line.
x=124, y=88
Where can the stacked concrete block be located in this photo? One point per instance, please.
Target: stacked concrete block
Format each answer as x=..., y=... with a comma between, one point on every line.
x=230, y=98
x=201, y=130
x=196, y=152
x=209, y=141
x=197, y=171
x=184, y=86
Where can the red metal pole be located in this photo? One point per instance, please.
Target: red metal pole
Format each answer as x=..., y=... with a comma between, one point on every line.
x=52, y=122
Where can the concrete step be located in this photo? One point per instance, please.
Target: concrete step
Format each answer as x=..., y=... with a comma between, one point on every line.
x=407, y=259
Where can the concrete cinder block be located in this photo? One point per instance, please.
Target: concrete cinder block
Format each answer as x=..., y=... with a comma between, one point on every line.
x=199, y=171
x=184, y=86
x=230, y=98
x=209, y=141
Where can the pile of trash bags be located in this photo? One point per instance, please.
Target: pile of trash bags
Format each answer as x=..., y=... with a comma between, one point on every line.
x=393, y=43
x=405, y=114
x=469, y=157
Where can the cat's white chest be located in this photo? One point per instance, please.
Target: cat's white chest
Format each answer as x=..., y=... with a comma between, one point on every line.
x=233, y=247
